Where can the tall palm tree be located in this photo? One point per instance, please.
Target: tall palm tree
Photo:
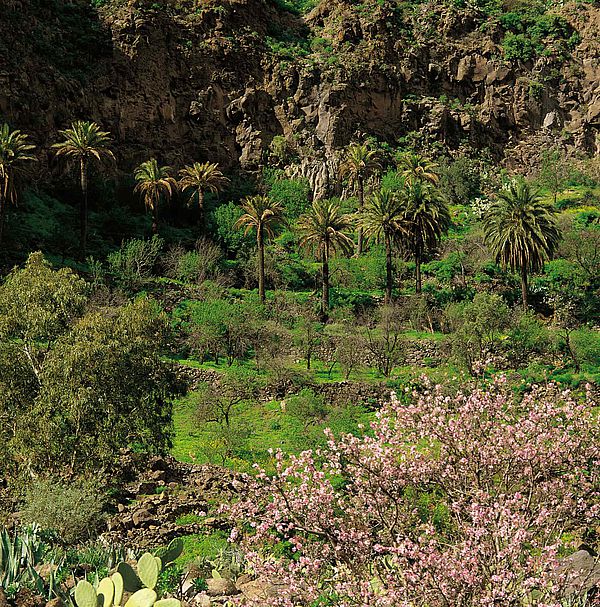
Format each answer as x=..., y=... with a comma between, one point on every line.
x=201, y=177
x=382, y=220
x=260, y=214
x=154, y=184
x=15, y=153
x=426, y=219
x=358, y=165
x=522, y=231
x=415, y=167
x=322, y=230
x=84, y=143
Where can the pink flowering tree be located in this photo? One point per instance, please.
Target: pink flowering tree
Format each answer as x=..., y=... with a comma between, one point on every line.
x=447, y=502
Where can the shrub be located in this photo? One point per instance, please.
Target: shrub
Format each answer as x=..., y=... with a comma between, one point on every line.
x=307, y=406
x=134, y=262
x=517, y=47
x=74, y=511
x=477, y=514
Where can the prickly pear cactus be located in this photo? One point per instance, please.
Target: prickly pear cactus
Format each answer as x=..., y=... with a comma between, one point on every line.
x=171, y=552
x=131, y=582
x=146, y=597
x=85, y=595
x=105, y=592
x=148, y=569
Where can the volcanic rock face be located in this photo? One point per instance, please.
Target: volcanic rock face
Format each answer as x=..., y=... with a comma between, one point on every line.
x=194, y=80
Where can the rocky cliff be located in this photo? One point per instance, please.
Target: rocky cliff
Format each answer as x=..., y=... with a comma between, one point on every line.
x=219, y=79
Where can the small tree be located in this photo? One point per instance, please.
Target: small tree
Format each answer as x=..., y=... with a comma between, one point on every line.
x=218, y=402
x=384, y=341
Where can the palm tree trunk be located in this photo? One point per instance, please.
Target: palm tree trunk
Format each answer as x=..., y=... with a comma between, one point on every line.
x=2, y=215
x=325, y=292
x=388, y=269
x=524, y=287
x=83, y=210
x=418, y=278
x=201, y=210
x=155, y=217
x=361, y=201
x=261, y=264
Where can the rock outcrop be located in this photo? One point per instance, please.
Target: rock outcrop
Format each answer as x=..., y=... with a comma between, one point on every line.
x=189, y=80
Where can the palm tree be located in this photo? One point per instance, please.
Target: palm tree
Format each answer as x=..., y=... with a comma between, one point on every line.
x=154, y=183
x=358, y=165
x=522, y=231
x=322, y=231
x=84, y=142
x=15, y=152
x=199, y=178
x=260, y=214
x=426, y=219
x=382, y=220
x=415, y=167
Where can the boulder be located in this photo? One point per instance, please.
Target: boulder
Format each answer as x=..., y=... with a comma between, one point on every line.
x=583, y=571
x=221, y=587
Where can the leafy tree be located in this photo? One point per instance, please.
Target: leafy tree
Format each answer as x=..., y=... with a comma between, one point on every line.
x=384, y=339
x=521, y=229
x=84, y=143
x=37, y=306
x=218, y=402
x=426, y=219
x=78, y=387
x=262, y=215
x=15, y=153
x=224, y=219
x=103, y=387
x=554, y=171
x=382, y=221
x=134, y=262
x=416, y=168
x=201, y=177
x=322, y=231
x=476, y=327
x=357, y=166
x=154, y=184
x=219, y=328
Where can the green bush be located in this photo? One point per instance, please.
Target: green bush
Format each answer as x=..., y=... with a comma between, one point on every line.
x=517, y=47
x=134, y=262
x=307, y=406
x=73, y=511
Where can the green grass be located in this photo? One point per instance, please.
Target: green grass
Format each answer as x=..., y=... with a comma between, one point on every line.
x=202, y=546
x=256, y=428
